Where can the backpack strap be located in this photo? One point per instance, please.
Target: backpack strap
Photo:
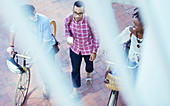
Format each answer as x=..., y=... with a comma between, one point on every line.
x=71, y=19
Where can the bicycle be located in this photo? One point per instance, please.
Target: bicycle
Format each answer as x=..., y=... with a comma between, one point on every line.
x=111, y=82
x=24, y=71
x=24, y=80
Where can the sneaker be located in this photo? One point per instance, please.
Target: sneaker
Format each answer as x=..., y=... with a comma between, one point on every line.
x=74, y=95
x=89, y=81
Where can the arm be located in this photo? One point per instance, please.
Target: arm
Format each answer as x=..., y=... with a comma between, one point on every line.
x=124, y=36
x=67, y=29
x=47, y=37
x=11, y=39
x=10, y=49
x=95, y=41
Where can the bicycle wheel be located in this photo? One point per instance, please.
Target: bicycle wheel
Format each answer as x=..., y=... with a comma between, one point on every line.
x=113, y=98
x=22, y=88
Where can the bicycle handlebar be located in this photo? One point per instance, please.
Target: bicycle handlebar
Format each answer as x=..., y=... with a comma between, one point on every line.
x=123, y=66
x=21, y=55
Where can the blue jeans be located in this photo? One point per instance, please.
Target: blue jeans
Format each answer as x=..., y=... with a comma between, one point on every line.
x=50, y=58
x=131, y=64
x=76, y=63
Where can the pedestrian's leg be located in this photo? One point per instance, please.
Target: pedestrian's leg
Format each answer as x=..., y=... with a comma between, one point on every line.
x=76, y=63
x=51, y=56
x=41, y=76
x=45, y=91
x=89, y=70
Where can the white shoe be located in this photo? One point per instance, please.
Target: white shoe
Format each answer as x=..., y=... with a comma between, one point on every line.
x=89, y=81
x=74, y=95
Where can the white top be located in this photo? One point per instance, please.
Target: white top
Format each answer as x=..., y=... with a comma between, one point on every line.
x=134, y=52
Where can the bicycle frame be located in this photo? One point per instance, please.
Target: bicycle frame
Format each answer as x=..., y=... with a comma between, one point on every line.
x=24, y=79
x=114, y=94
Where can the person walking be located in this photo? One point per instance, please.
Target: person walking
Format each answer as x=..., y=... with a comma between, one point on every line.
x=40, y=27
x=82, y=39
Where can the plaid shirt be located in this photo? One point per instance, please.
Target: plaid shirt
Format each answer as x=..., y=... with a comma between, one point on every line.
x=83, y=40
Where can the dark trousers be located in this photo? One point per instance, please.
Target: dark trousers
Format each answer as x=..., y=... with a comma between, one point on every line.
x=76, y=63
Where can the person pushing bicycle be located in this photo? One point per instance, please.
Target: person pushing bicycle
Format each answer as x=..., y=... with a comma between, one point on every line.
x=40, y=26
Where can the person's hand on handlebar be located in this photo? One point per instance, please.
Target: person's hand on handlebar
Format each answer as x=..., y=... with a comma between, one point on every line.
x=10, y=50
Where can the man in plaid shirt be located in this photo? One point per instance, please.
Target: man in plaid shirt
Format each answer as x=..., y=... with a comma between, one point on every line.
x=84, y=44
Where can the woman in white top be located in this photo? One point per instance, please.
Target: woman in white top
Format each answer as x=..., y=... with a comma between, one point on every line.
x=135, y=34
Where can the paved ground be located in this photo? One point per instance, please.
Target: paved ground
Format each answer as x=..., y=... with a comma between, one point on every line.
x=97, y=95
